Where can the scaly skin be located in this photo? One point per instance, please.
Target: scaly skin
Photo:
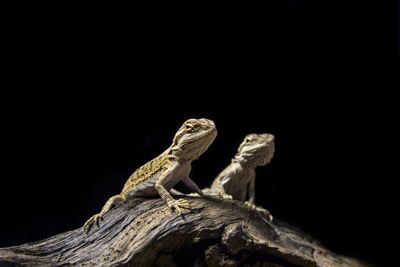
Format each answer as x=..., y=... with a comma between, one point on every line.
x=237, y=181
x=158, y=176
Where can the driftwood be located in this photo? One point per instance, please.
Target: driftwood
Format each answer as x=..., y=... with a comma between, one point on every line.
x=144, y=232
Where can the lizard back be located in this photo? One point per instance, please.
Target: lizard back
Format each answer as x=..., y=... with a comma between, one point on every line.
x=147, y=170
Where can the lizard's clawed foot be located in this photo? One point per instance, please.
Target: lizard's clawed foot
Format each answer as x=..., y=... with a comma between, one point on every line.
x=111, y=203
x=178, y=204
x=250, y=205
x=89, y=223
x=265, y=213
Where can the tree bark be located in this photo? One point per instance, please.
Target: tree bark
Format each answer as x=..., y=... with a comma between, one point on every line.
x=145, y=232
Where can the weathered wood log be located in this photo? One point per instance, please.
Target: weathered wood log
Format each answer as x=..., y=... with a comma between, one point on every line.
x=144, y=232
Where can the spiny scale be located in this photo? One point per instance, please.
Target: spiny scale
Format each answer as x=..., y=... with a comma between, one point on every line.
x=147, y=170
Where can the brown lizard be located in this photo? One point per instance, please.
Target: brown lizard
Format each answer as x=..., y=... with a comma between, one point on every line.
x=158, y=176
x=237, y=181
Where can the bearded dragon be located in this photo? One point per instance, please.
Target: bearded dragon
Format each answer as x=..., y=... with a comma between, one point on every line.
x=237, y=181
x=158, y=176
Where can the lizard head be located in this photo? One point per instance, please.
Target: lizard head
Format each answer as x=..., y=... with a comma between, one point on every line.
x=193, y=138
x=256, y=149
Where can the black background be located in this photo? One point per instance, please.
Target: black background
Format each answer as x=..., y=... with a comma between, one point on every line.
x=90, y=94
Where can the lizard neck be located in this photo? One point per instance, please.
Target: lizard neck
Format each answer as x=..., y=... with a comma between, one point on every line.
x=174, y=153
x=244, y=162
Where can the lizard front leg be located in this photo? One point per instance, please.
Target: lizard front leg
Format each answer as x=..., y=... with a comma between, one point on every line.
x=163, y=192
x=251, y=191
x=219, y=188
x=251, y=202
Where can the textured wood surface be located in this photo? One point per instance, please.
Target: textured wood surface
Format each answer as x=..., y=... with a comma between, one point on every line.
x=144, y=232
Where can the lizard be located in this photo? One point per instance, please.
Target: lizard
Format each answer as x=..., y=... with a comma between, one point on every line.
x=158, y=176
x=237, y=180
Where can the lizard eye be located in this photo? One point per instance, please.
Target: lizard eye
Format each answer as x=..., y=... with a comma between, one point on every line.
x=248, y=140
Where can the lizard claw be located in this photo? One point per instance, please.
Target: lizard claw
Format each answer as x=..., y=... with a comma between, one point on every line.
x=265, y=213
x=178, y=204
x=89, y=223
x=173, y=205
x=184, y=203
x=250, y=205
x=226, y=196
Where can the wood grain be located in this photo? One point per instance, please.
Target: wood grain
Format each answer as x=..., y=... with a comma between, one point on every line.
x=145, y=232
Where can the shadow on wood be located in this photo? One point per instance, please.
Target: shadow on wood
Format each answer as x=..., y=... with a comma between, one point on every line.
x=145, y=232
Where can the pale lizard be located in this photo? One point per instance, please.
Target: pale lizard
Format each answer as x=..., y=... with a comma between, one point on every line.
x=237, y=180
x=158, y=176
